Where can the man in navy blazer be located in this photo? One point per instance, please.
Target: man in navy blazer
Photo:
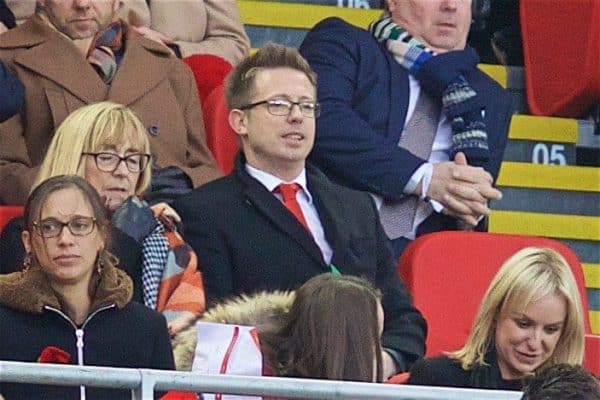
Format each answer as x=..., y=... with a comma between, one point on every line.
x=368, y=95
x=248, y=240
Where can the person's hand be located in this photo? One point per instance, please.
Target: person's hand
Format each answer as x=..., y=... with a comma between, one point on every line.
x=3, y=28
x=463, y=190
x=186, y=319
x=154, y=35
x=388, y=365
x=166, y=214
x=112, y=202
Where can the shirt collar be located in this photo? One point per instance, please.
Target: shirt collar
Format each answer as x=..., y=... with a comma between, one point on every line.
x=271, y=181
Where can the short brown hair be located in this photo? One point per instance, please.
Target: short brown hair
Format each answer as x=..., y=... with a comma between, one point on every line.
x=240, y=83
x=39, y=195
x=562, y=382
x=330, y=332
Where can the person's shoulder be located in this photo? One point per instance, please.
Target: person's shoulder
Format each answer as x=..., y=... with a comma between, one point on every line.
x=142, y=314
x=213, y=192
x=437, y=371
x=335, y=28
x=356, y=198
x=336, y=23
x=480, y=79
x=156, y=52
x=26, y=35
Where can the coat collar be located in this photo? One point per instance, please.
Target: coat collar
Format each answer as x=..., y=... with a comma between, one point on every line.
x=29, y=290
x=41, y=43
x=326, y=200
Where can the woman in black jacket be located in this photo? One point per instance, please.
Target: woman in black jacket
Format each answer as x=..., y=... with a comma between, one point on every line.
x=71, y=304
x=530, y=318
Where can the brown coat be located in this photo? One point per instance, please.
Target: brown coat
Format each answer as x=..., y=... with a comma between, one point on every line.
x=58, y=80
x=198, y=26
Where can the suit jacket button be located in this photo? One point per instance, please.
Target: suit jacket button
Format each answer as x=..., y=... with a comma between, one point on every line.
x=153, y=130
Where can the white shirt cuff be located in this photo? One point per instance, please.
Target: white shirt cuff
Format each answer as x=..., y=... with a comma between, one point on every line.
x=422, y=174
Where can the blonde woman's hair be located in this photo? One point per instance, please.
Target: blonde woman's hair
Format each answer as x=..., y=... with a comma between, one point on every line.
x=526, y=277
x=88, y=130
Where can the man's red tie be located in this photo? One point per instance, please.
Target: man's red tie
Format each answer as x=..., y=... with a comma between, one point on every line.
x=288, y=193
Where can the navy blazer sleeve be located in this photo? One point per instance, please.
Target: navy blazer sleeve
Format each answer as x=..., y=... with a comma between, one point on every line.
x=357, y=133
x=364, y=94
x=12, y=93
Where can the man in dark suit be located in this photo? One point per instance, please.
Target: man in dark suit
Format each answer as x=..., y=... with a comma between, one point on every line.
x=370, y=86
x=251, y=235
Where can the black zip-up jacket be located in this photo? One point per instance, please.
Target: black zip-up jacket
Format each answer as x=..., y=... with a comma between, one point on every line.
x=117, y=332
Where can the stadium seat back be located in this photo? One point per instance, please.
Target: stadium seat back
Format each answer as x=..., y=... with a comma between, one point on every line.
x=562, y=66
x=220, y=138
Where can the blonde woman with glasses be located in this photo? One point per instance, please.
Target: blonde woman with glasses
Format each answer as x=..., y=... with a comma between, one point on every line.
x=106, y=144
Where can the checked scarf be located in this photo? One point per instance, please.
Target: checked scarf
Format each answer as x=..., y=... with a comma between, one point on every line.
x=104, y=51
x=441, y=76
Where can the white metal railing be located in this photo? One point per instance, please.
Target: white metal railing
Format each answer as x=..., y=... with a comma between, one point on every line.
x=143, y=383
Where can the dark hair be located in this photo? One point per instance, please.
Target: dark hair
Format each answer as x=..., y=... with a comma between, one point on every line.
x=330, y=332
x=240, y=82
x=562, y=382
x=40, y=194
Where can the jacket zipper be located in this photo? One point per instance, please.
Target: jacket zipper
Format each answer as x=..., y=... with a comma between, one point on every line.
x=79, y=344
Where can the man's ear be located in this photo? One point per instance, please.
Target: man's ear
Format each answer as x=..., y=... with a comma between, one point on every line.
x=390, y=5
x=26, y=239
x=238, y=121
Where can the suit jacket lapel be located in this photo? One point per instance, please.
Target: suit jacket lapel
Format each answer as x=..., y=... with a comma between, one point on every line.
x=133, y=68
x=328, y=204
x=399, y=93
x=83, y=83
x=275, y=212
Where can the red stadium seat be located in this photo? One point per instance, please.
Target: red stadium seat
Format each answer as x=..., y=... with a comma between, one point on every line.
x=9, y=212
x=209, y=72
x=220, y=138
x=562, y=62
x=449, y=272
x=592, y=353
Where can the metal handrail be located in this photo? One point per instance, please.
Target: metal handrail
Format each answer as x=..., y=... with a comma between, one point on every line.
x=143, y=382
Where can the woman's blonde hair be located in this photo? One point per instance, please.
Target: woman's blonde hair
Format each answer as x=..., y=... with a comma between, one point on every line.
x=88, y=130
x=525, y=277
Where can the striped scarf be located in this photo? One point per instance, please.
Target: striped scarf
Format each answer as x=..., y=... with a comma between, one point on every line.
x=441, y=76
x=105, y=50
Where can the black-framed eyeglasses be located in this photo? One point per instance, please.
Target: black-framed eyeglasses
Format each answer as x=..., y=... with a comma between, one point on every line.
x=283, y=108
x=109, y=162
x=78, y=226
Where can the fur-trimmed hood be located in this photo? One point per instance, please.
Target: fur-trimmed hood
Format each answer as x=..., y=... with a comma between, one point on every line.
x=260, y=310
x=29, y=290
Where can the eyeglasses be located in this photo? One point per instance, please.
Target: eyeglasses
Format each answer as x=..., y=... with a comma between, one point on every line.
x=283, y=108
x=78, y=226
x=109, y=162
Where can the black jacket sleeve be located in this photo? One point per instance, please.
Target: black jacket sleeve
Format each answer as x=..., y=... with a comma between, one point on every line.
x=405, y=329
x=12, y=251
